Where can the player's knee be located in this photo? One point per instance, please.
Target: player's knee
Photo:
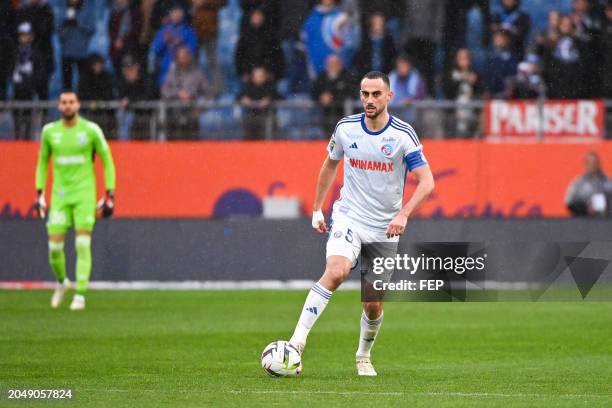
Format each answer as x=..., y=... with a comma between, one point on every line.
x=373, y=310
x=336, y=274
x=82, y=241
x=55, y=249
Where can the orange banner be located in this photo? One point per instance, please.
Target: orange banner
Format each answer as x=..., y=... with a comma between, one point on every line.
x=204, y=179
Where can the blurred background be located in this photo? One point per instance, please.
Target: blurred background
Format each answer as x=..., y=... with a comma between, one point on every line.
x=512, y=100
x=255, y=69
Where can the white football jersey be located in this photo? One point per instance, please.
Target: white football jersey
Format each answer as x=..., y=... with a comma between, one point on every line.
x=375, y=167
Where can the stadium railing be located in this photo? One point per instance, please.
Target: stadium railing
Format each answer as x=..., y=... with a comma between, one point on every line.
x=292, y=119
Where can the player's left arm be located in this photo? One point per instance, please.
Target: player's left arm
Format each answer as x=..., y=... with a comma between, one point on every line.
x=107, y=204
x=425, y=185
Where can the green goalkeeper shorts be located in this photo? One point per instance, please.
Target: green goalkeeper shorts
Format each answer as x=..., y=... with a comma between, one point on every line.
x=63, y=214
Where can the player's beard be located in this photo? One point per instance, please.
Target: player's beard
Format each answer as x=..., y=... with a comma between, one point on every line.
x=68, y=116
x=376, y=113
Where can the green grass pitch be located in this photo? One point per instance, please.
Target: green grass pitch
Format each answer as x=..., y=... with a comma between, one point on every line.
x=170, y=348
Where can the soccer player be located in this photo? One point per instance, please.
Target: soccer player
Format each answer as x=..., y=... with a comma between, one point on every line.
x=378, y=150
x=73, y=142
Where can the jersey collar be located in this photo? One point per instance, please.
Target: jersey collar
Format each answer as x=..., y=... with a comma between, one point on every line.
x=368, y=131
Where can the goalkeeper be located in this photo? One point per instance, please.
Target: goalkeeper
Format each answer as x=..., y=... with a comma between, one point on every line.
x=72, y=142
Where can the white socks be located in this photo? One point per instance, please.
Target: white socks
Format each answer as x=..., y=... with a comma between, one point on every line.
x=367, y=334
x=315, y=303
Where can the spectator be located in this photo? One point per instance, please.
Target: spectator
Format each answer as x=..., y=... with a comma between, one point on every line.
x=331, y=89
x=456, y=28
x=205, y=21
x=501, y=64
x=406, y=83
x=270, y=8
x=590, y=194
x=607, y=40
x=257, y=95
x=589, y=30
x=563, y=63
x=554, y=20
x=463, y=85
x=546, y=39
x=293, y=14
x=28, y=74
x=377, y=52
x=173, y=35
x=160, y=13
x=124, y=27
x=424, y=26
x=258, y=46
x=96, y=84
x=40, y=16
x=528, y=82
x=146, y=34
x=186, y=83
x=516, y=23
x=329, y=30
x=462, y=81
x=7, y=44
x=75, y=32
x=132, y=88
x=29, y=69
x=389, y=9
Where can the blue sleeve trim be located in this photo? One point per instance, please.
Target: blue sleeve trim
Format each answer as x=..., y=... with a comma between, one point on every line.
x=414, y=160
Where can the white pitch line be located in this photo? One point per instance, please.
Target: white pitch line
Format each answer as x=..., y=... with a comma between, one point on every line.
x=503, y=395
x=314, y=392
x=370, y=393
x=399, y=393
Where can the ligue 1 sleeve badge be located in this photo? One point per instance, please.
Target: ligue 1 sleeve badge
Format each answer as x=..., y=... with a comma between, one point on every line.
x=332, y=144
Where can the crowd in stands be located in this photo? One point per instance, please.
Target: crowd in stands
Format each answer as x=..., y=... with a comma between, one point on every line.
x=169, y=50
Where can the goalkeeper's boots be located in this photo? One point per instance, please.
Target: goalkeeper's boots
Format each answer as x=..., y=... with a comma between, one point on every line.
x=59, y=292
x=78, y=302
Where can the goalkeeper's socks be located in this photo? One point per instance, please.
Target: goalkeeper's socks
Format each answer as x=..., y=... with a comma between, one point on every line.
x=83, y=263
x=367, y=334
x=57, y=260
x=315, y=304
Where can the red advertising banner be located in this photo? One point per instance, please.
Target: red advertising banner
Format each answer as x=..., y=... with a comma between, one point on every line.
x=216, y=179
x=556, y=120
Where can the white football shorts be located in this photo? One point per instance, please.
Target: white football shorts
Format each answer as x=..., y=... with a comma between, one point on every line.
x=346, y=237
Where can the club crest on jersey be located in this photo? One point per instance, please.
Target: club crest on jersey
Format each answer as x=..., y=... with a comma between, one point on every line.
x=386, y=149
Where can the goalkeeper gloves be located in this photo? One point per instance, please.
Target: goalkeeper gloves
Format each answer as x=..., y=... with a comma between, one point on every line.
x=106, y=205
x=41, y=204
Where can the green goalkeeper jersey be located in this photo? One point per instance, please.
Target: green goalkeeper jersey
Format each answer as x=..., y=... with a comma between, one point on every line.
x=72, y=150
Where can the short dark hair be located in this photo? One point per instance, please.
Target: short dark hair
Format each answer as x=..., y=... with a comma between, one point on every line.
x=72, y=91
x=377, y=75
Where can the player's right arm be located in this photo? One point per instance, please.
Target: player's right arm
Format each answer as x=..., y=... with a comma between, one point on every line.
x=325, y=180
x=42, y=167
